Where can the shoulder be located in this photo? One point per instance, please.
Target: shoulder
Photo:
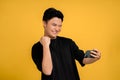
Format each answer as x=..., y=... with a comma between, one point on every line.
x=36, y=45
x=37, y=50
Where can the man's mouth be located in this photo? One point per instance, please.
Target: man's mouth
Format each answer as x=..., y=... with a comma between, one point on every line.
x=54, y=32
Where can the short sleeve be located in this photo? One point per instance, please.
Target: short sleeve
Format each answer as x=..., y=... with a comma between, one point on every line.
x=37, y=55
x=77, y=53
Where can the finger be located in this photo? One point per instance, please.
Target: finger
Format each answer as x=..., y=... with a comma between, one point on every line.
x=93, y=52
x=95, y=56
x=96, y=50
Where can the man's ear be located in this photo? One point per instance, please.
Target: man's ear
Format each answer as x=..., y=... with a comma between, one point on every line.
x=44, y=23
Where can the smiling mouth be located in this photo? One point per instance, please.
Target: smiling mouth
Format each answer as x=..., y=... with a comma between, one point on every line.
x=54, y=32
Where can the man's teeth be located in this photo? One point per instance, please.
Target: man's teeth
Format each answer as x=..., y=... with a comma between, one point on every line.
x=54, y=32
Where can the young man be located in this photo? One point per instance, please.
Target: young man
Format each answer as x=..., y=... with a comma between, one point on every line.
x=55, y=56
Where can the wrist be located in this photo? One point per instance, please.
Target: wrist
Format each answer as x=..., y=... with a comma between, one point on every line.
x=46, y=45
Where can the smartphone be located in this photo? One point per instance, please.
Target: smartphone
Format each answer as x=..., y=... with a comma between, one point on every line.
x=87, y=54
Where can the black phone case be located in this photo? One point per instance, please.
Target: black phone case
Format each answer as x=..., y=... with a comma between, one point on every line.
x=87, y=54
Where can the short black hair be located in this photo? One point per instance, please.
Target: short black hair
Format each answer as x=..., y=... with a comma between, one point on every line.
x=52, y=12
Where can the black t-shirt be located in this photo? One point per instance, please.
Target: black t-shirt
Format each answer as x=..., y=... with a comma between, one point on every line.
x=64, y=51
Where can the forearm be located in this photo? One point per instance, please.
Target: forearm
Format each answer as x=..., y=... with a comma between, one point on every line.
x=47, y=61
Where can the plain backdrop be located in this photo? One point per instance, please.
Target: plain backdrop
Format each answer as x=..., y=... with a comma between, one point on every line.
x=90, y=23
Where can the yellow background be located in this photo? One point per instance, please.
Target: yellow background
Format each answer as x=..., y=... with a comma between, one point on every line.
x=90, y=23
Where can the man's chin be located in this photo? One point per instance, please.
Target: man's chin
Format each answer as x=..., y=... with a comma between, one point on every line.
x=53, y=37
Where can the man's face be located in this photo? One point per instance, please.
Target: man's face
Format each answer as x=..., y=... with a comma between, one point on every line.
x=52, y=27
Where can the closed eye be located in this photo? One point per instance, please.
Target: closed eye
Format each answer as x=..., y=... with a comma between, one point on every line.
x=54, y=24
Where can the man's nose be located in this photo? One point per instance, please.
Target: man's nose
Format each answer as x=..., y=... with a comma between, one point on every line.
x=57, y=28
